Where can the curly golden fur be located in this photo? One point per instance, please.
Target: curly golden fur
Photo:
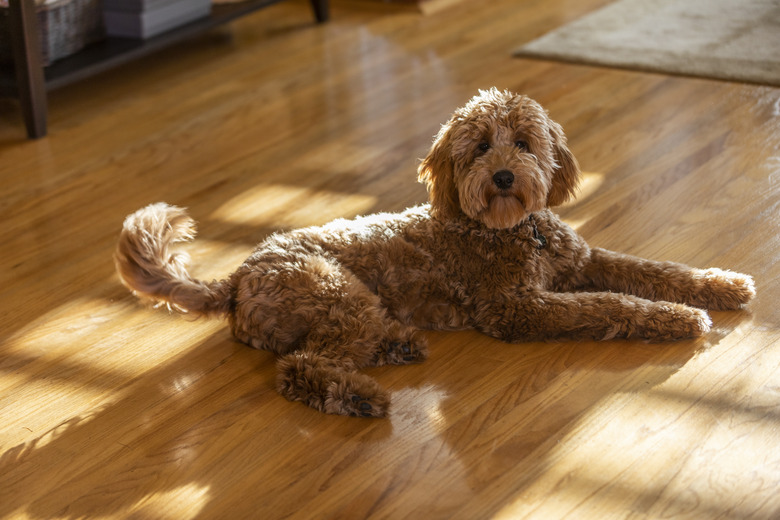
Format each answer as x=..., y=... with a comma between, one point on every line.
x=486, y=253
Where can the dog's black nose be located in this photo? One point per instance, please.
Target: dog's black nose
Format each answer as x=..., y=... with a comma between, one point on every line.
x=503, y=179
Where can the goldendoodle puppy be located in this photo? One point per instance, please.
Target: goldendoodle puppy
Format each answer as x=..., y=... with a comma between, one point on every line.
x=486, y=253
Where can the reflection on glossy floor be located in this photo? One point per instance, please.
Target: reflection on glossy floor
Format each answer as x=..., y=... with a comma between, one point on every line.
x=111, y=410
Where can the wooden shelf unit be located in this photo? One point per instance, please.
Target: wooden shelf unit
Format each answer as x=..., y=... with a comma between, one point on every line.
x=29, y=79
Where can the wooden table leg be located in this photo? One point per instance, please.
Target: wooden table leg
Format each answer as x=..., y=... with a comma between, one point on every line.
x=30, y=81
x=321, y=10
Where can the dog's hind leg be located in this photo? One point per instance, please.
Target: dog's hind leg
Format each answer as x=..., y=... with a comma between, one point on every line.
x=347, y=327
x=325, y=324
x=356, y=333
x=330, y=385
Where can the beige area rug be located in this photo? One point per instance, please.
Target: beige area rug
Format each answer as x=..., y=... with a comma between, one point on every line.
x=736, y=40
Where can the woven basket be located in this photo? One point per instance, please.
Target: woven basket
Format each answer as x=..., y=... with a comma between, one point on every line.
x=66, y=27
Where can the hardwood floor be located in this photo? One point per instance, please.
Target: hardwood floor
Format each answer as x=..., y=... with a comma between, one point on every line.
x=112, y=410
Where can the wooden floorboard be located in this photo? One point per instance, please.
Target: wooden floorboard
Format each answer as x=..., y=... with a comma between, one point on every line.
x=113, y=410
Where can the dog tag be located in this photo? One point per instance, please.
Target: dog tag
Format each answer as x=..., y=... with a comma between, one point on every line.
x=541, y=241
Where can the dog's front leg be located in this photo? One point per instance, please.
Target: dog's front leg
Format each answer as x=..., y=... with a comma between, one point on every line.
x=713, y=289
x=540, y=315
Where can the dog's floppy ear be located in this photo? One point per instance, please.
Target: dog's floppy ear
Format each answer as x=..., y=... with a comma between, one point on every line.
x=437, y=172
x=566, y=176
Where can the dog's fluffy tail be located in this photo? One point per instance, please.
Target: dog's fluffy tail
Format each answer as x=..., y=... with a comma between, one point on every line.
x=147, y=266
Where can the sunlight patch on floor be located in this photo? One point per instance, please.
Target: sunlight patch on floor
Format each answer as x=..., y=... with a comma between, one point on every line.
x=607, y=465
x=182, y=503
x=214, y=259
x=279, y=205
x=93, y=332
x=76, y=356
x=589, y=184
x=413, y=407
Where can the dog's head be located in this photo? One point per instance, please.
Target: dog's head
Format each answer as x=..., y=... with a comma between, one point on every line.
x=499, y=159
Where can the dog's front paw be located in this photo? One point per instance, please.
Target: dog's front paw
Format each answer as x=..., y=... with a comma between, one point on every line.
x=357, y=395
x=725, y=290
x=666, y=321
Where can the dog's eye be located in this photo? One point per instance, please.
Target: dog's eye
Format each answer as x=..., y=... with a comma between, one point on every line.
x=483, y=147
x=522, y=145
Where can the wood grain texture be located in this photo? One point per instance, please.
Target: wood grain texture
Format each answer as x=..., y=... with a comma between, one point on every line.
x=112, y=410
